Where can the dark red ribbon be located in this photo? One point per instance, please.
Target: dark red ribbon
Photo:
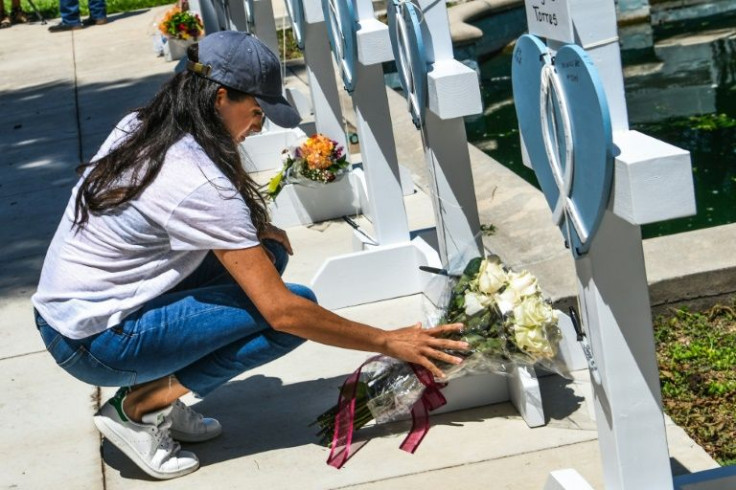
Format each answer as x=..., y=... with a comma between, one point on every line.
x=342, y=438
x=431, y=399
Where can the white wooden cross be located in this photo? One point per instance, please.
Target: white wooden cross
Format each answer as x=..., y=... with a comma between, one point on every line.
x=310, y=32
x=212, y=13
x=240, y=15
x=359, y=54
x=651, y=181
x=261, y=151
x=255, y=17
x=440, y=92
x=389, y=267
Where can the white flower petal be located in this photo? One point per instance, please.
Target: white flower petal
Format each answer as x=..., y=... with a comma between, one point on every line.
x=507, y=300
x=524, y=283
x=475, y=303
x=492, y=276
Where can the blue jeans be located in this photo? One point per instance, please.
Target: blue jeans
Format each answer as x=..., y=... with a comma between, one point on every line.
x=205, y=331
x=70, y=11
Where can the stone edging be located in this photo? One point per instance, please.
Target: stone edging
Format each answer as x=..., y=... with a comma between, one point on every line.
x=460, y=17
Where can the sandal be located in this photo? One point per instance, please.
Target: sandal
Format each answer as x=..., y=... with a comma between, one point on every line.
x=18, y=16
x=5, y=22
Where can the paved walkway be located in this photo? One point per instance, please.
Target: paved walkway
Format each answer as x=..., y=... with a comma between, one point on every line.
x=60, y=95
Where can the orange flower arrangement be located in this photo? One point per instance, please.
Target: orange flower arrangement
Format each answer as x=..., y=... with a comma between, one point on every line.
x=317, y=151
x=181, y=24
x=317, y=158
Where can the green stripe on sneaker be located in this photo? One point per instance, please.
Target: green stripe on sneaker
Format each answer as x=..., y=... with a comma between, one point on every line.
x=117, y=402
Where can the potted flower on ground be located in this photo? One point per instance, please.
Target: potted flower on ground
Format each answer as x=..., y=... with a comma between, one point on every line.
x=313, y=185
x=317, y=159
x=181, y=28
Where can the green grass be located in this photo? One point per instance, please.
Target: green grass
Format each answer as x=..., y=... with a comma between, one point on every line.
x=50, y=8
x=292, y=50
x=696, y=353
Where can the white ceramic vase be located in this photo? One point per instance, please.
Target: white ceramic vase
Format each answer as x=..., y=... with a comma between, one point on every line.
x=175, y=49
x=306, y=203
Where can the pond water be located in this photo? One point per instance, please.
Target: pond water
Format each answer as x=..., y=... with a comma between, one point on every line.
x=681, y=90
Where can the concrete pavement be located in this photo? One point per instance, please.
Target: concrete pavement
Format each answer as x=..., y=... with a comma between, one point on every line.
x=60, y=95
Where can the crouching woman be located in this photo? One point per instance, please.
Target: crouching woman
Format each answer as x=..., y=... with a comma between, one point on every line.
x=164, y=275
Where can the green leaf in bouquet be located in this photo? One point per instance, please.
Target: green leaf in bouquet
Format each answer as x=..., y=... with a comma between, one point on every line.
x=473, y=267
x=474, y=323
x=274, y=185
x=459, y=302
x=480, y=322
x=463, y=284
x=338, y=165
x=491, y=346
x=474, y=340
x=460, y=299
x=361, y=390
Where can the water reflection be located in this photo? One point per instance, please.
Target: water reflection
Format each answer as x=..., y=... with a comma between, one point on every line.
x=680, y=89
x=682, y=77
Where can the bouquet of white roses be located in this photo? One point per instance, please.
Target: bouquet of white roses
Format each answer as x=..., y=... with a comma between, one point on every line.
x=507, y=323
x=507, y=320
x=316, y=159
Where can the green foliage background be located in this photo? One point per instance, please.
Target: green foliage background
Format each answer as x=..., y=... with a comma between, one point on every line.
x=50, y=8
x=696, y=353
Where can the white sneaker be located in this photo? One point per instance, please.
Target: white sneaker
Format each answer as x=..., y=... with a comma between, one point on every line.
x=148, y=444
x=190, y=426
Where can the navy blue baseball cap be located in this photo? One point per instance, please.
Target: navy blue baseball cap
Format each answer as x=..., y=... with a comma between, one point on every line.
x=241, y=61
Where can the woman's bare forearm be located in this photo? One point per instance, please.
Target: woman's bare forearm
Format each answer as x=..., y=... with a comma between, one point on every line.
x=310, y=321
x=290, y=313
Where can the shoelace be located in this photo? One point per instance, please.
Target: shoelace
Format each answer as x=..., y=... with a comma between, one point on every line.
x=188, y=410
x=164, y=439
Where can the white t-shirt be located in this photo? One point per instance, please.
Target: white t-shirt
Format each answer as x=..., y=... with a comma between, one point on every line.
x=95, y=276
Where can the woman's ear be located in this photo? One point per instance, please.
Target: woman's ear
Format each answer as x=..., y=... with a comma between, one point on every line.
x=220, y=98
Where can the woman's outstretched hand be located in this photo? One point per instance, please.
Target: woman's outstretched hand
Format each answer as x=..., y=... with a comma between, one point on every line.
x=421, y=346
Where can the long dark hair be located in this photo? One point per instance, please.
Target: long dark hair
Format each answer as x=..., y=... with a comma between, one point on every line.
x=184, y=105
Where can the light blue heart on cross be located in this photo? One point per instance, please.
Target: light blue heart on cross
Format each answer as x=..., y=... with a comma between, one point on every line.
x=407, y=44
x=295, y=9
x=342, y=25
x=565, y=127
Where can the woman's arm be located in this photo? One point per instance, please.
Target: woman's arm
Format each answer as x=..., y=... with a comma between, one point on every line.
x=276, y=234
x=290, y=313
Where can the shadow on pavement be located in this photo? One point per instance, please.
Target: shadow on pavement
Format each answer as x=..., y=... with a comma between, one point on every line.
x=261, y=414
x=561, y=403
x=125, y=15
x=43, y=137
x=258, y=414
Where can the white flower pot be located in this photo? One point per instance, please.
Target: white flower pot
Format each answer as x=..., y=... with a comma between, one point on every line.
x=261, y=152
x=299, y=204
x=175, y=49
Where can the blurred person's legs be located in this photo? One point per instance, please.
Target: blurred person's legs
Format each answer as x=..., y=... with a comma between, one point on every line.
x=17, y=16
x=97, y=13
x=4, y=19
x=69, y=16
